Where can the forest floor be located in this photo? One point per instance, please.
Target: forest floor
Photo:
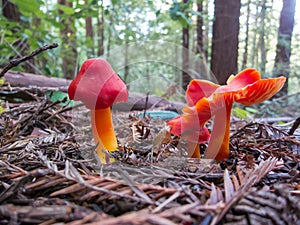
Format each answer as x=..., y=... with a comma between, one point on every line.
x=49, y=175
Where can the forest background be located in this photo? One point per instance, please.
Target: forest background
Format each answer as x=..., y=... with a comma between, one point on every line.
x=222, y=38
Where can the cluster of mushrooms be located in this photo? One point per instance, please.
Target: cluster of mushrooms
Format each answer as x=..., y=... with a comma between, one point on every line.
x=99, y=87
x=206, y=100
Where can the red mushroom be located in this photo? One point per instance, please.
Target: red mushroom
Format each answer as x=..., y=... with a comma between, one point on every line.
x=206, y=100
x=99, y=87
x=193, y=132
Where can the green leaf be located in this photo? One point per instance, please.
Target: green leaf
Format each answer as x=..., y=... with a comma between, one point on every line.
x=173, y=10
x=240, y=113
x=2, y=110
x=157, y=12
x=180, y=13
x=8, y=32
x=28, y=7
x=59, y=96
x=114, y=2
x=55, y=23
x=2, y=81
x=10, y=39
x=193, y=12
x=281, y=123
x=251, y=110
x=28, y=32
x=66, y=9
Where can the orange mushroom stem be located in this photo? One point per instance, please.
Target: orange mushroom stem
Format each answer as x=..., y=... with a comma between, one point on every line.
x=206, y=100
x=99, y=87
x=103, y=132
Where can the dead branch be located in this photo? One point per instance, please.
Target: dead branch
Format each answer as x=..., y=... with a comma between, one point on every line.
x=16, y=62
x=295, y=126
x=21, y=79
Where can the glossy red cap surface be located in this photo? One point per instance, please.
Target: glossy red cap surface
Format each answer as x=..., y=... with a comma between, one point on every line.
x=97, y=85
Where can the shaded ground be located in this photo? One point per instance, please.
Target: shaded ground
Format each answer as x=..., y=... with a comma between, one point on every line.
x=48, y=174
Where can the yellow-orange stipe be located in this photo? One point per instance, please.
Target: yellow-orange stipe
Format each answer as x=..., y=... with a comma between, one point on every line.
x=103, y=133
x=193, y=150
x=220, y=135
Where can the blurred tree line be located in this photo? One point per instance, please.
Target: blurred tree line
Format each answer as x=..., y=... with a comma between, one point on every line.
x=204, y=36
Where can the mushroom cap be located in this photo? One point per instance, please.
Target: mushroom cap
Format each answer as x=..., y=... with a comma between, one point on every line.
x=97, y=85
x=205, y=99
x=198, y=89
x=246, y=88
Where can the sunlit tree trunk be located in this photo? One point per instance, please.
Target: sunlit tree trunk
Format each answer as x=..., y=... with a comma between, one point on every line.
x=101, y=31
x=109, y=37
x=225, y=39
x=199, y=45
x=68, y=44
x=283, y=49
x=89, y=34
x=126, y=69
x=205, y=4
x=185, y=57
x=254, y=57
x=201, y=67
x=262, y=47
x=245, y=53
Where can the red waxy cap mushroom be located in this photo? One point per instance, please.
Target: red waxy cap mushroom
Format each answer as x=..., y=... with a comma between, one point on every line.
x=99, y=87
x=207, y=100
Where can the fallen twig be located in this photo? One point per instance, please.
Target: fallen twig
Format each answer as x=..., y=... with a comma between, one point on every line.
x=295, y=126
x=15, y=62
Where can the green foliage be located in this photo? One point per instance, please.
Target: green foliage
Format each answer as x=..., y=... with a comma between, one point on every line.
x=244, y=113
x=29, y=8
x=182, y=12
x=131, y=21
x=66, y=10
x=2, y=81
x=2, y=109
x=125, y=22
x=63, y=97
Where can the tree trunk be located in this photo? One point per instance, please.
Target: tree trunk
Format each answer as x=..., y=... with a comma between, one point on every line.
x=254, y=41
x=245, y=54
x=262, y=47
x=109, y=37
x=199, y=46
x=126, y=69
x=10, y=11
x=185, y=55
x=101, y=31
x=68, y=35
x=283, y=49
x=206, y=21
x=225, y=39
x=201, y=67
x=89, y=34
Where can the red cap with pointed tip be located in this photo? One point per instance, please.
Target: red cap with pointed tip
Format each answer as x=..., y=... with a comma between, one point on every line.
x=97, y=85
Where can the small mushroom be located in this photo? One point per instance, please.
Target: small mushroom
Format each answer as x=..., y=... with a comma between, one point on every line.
x=206, y=100
x=189, y=129
x=99, y=87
